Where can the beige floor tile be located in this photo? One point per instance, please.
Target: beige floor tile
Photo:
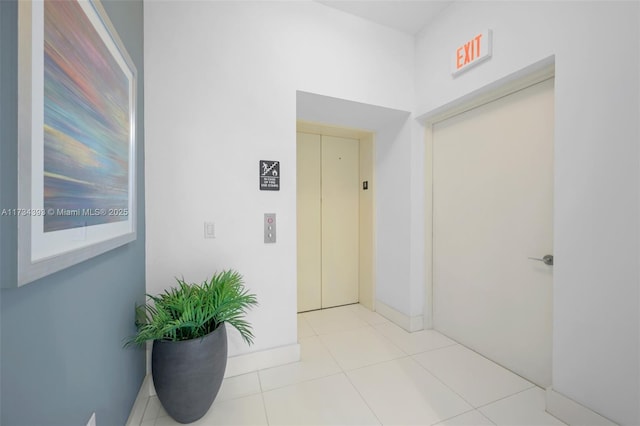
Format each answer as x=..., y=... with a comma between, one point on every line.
x=524, y=408
x=416, y=342
x=401, y=392
x=361, y=347
x=304, y=329
x=371, y=318
x=248, y=410
x=382, y=384
x=471, y=418
x=333, y=320
x=166, y=421
x=478, y=380
x=328, y=401
x=154, y=409
x=315, y=362
x=238, y=386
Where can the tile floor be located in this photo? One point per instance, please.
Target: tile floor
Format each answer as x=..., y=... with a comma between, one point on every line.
x=357, y=368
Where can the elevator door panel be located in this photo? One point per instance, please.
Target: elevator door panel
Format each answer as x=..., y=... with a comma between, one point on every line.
x=340, y=220
x=309, y=224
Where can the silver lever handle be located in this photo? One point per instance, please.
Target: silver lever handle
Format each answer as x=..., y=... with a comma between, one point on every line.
x=547, y=259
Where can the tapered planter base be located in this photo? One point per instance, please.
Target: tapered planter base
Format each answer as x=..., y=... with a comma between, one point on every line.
x=187, y=374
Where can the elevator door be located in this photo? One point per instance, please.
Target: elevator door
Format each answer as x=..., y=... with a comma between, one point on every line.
x=328, y=221
x=309, y=226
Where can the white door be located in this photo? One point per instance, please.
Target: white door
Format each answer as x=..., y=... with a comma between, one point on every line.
x=328, y=221
x=493, y=194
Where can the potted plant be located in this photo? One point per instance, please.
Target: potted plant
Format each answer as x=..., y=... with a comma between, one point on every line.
x=189, y=355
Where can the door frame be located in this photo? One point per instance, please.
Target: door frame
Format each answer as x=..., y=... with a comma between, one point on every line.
x=533, y=74
x=367, y=202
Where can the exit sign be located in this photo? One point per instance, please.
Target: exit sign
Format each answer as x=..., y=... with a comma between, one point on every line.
x=475, y=50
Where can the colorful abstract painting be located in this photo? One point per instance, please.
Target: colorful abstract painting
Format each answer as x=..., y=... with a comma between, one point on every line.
x=86, y=124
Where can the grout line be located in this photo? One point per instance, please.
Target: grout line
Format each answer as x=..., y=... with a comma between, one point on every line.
x=260, y=380
x=462, y=414
x=326, y=348
x=373, y=363
x=348, y=330
x=388, y=339
x=304, y=320
x=146, y=405
x=402, y=330
x=508, y=396
x=488, y=403
x=379, y=363
x=363, y=399
x=304, y=380
x=485, y=357
x=301, y=315
x=376, y=332
x=448, y=345
x=264, y=404
x=256, y=372
x=561, y=421
x=357, y=309
x=443, y=382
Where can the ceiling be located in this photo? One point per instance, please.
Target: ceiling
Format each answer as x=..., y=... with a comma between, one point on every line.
x=409, y=16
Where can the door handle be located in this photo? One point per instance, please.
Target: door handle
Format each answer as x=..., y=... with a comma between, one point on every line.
x=546, y=259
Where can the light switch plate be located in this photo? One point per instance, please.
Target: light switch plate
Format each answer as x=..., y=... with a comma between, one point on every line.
x=269, y=228
x=209, y=230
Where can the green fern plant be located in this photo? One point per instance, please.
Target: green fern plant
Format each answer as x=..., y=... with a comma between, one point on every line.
x=191, y=311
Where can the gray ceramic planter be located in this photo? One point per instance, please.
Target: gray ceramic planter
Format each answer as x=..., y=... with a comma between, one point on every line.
x=187, y=374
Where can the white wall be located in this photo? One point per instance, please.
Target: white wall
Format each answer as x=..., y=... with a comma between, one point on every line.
x=596, y=215
x=221, y=82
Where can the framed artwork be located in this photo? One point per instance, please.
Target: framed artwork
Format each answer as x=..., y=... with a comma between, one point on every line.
x=76, y=130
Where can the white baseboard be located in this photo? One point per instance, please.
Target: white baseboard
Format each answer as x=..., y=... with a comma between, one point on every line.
x=140, y=404
x=411, y=324
x=571, y=412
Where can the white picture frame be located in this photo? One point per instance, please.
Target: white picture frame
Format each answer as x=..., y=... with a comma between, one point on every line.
x=77, y=93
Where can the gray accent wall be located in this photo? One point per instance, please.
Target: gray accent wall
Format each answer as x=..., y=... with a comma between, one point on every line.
x=61, y=340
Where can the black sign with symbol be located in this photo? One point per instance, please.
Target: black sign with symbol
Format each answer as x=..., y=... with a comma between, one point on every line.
x=269, y=175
